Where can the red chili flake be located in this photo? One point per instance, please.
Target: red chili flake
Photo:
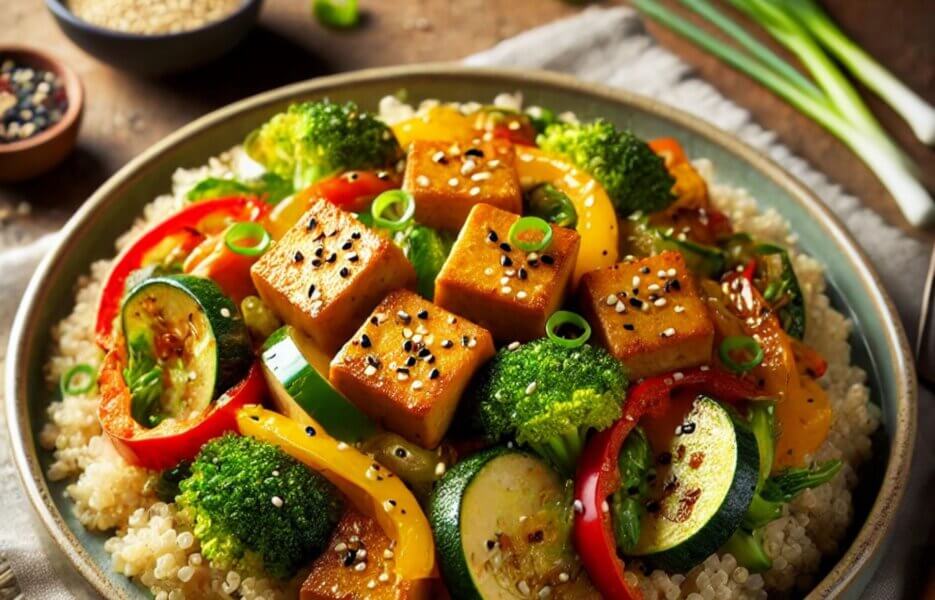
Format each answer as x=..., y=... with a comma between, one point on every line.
x=696, y=459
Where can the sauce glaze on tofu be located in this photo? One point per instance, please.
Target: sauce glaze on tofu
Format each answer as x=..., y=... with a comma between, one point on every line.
x=507, y=290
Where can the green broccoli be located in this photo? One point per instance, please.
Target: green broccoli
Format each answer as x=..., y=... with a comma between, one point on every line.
x=255, y=508
x=633, y=175
x=548, y=397
x=313, y=140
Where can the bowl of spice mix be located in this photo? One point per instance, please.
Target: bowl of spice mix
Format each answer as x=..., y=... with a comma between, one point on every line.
x=155, y=37
x=41, y=102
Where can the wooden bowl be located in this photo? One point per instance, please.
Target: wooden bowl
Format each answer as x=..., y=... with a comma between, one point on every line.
x=37, y=154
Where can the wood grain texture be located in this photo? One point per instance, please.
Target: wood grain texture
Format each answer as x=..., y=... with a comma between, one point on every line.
x=124, y=114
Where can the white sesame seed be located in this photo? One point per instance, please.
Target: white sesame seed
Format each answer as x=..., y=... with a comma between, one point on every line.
x=605, y=507
x=225, y=312
x=563, y=577
x=653, y=287
x=504, y=280
x=506, y=289
x=361, y=554
x=277, y=501
x=523, y=587
x=488, y=271
x=545, y=592
x=679, y=308
x=513, y=346
x=453, y=182
x=678, y=376
x=371, y=584
x=402, y=376
x=422, y=181
x=531, y=388
x=370, y=371
x=578, y=506
x=671, y=272
x=407, y=333
x=192, y=375
x=275, y=473
x=360, y=567
x=388, y=506
x=417, y=385
x=384, y=577
x=340, y=547
x=417, y=338
x=482, y=176
x=440, y=469
x=620, y=307
x=668, y=332
x=468, y=166
x=660, y=302
x=474, y=191
x=342, y=446
x=438, y=156
x=388, y=554
x=472, y=342
x=636, y=281
x=521, y=295
x=611, y=299
x=532, y=256
x=661, y=274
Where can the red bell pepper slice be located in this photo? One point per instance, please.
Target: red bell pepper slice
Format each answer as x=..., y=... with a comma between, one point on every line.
x=599, y=475
x=165, y=445
x=181, y=232
x=353, y=191
x=670, y=150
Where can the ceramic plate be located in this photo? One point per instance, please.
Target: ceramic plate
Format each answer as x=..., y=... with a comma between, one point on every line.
x=879, y=344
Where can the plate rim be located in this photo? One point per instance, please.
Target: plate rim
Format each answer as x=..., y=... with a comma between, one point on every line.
x=843, y=577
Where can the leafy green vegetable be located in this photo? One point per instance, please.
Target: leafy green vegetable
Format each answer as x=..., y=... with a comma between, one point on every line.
x=785, y=486
x=549, y=397
x=427, y=250
x=143, y=376
x=541, y=117
x=336, y=14
x=167, y=485
x=783, y=290
x=269, y=186
x=627, y=504
x=313, y=140
x=255, y=508
x=548, y=202
x=747, y=547
x=635, y=177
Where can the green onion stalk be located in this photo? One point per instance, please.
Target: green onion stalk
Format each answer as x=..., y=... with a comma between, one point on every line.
x=889, y=167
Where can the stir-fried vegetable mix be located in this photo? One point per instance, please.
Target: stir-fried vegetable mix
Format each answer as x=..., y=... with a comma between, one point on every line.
x=662, y=407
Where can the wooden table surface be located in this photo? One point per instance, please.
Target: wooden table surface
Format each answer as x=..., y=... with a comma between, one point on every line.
x=125, y=114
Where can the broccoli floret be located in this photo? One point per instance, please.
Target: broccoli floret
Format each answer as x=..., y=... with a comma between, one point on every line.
x=255, y=508
x=548, y=397
x=633, y=175
x=313, y=140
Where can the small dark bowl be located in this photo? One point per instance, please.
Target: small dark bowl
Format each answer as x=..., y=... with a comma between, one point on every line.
x=154, y=55
x=37, y=154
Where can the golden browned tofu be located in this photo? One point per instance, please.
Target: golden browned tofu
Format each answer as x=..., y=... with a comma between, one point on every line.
x=448, y=179
x=648, y=314
x=358, y=565
x=328, y=272
x=507, y=290
x=408, y=365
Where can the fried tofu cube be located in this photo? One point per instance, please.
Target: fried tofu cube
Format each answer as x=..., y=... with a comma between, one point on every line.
x=335, y=575
x=448, y=179
x=649, y=314
x=328, y=272
x=509, y=291
x=408, y=365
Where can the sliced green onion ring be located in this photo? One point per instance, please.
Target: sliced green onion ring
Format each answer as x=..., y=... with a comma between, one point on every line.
x=524, y=224
x=247, y=238
x=78, y=380
x=740, y=343
x=566, y=317
x=392, y=198
x=339, y=14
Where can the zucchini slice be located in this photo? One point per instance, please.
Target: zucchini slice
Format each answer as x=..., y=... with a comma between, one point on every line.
x=192, y=339
x=295, y=371
x=502, y=520
x=703, y=486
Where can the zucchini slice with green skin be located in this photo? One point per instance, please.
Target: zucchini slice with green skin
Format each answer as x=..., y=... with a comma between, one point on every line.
x=502, y=520
x=193, y=333
x=295, y=372
x=704, y=484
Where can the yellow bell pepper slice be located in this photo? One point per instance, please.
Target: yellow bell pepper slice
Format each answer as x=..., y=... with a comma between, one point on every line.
x=370, y=487
x=439, y=123
x=597, y=220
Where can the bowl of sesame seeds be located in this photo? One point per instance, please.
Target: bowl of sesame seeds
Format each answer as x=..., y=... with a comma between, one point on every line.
x=41, y=102
x=155, y=37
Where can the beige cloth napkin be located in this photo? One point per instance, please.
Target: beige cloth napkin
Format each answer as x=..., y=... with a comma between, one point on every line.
x=612, y=47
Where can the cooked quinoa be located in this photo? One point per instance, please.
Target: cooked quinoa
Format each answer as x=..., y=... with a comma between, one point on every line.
x=154, y=545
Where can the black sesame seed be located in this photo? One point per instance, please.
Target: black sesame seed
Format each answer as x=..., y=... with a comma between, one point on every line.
x=312, y=224
x=319, y=237
x=645, y=270
x=491, y=544
x=688, y=428
x=353, y=258
x=423, y=314
x=433, y=374
x=311, y=290
x=400, y=452
x=474, y=152
x=355, y=235
x=492, y=236
x=407, y=345
x=347, y=245
x=424, y=352
x=316, y=262
x=533, y=263
x=403, y=316
x=506, y=261
x=373, y=361
x=547, y=259
x=365, y=341
x=522, y=273
x=309, y=431
x=374, y=321
x=298, y=256
x=349, y=557
x=392, y=502
x=629, y=326
x=332, y=233
x=673, y=284
x=344, y=272
x=383, y=175
x=636, y=303
x=255, y=418
x=332, y=257
x=410, y=361
x=506, y=247
x=447, y=344
x=403, y=370
x=430, y=359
